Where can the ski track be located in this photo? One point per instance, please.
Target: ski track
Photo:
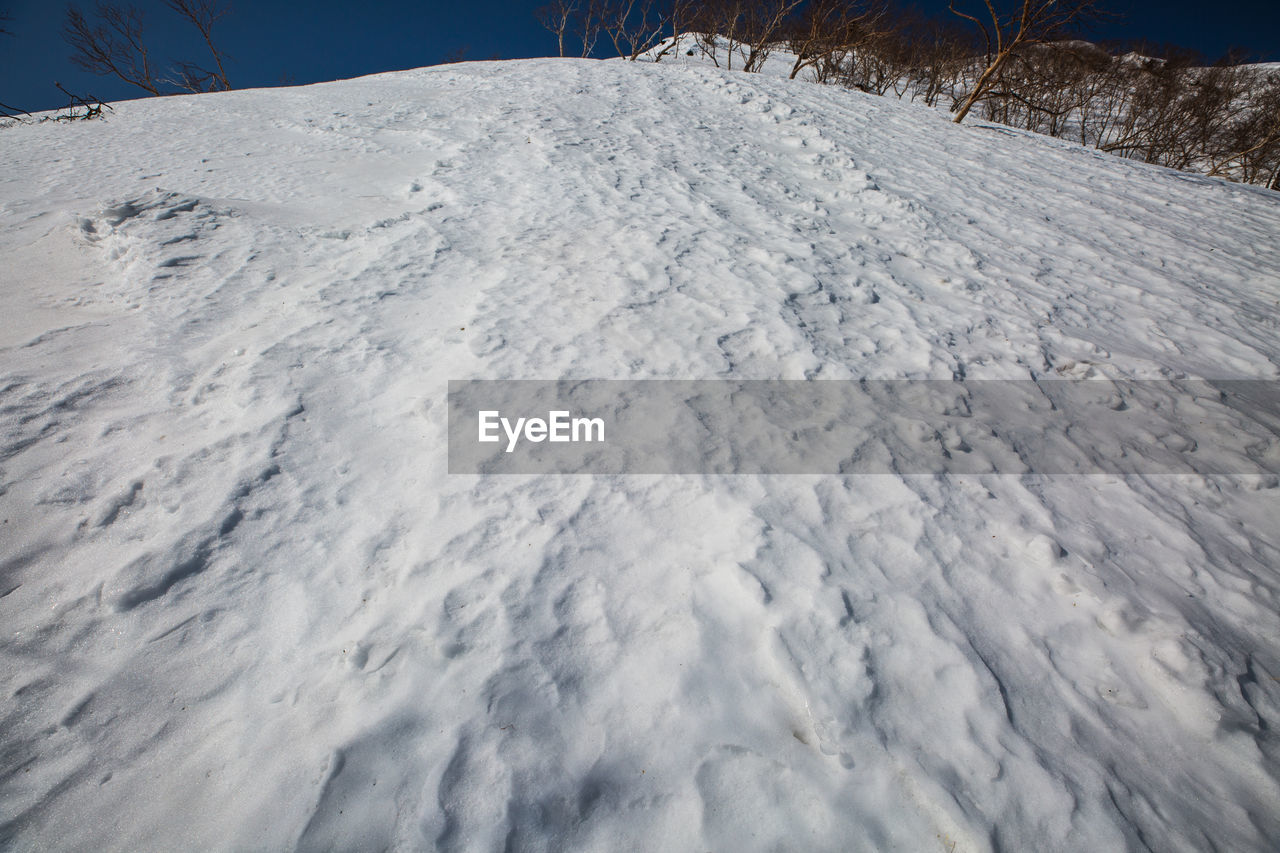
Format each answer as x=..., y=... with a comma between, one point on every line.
x=244, y=606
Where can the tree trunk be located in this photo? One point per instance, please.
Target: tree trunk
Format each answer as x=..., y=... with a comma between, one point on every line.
x=980, y=87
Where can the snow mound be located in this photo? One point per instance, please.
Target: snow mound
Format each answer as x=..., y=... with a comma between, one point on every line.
x=245, y=606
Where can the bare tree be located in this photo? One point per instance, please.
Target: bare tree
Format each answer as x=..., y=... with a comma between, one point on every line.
x=556, y=17
x=747, y=28
x=936, y=53
x=681, y=15
x=588, y=24
x=1044, y=88
x=1158, y=113
x=880, y=64
x=828, y=28
x=1099, y=96
x=634, y=26
x=1251, y=146
x=721, y=20
x=111, y=46
x=765, y=20
x=203, y=14
x=1009, y=30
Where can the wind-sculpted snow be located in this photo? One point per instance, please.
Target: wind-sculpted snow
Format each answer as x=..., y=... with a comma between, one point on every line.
x=245, y=606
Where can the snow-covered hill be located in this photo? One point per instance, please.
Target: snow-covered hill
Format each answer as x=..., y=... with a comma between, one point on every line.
x=245, y=607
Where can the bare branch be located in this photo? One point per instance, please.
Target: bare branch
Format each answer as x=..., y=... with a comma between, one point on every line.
x=828, y=28
x=91, y=105
x=111, y=47
x=1035, y=22
x=112, y=44
x=203, y=14
x=555, y=17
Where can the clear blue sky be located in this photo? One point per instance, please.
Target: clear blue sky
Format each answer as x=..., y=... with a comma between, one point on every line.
x=271, y=41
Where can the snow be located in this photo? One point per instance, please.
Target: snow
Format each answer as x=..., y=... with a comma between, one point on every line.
x=244, y=605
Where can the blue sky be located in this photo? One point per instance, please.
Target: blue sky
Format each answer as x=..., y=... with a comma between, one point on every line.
x=272, y=42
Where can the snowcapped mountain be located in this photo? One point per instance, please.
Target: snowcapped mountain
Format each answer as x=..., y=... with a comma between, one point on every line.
x=245, y=605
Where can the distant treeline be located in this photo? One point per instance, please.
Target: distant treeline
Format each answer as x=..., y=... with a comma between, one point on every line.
x=1018, y=62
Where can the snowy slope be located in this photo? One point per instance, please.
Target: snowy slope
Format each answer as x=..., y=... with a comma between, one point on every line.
x=245, y=607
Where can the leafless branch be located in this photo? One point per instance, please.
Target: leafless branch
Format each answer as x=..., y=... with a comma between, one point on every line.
x=203, y=14
x=111, y=46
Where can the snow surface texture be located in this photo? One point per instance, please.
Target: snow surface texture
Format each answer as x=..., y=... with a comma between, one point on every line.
x=244, y=606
